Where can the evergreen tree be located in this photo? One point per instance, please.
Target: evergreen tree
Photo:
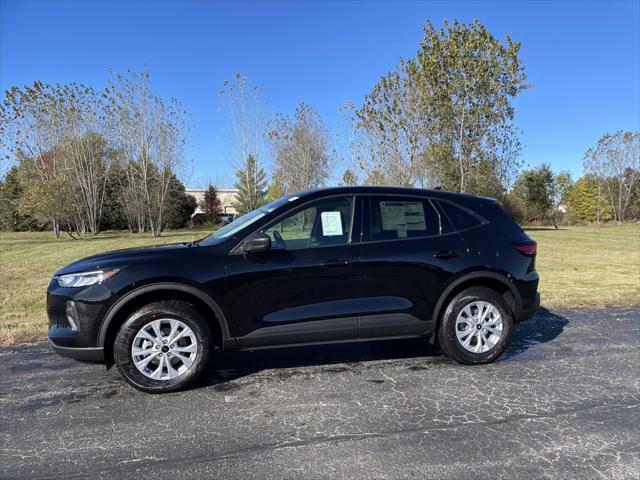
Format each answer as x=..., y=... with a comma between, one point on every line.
x=179, y=207
x=211, y=205
x=252, y=187
x=11, y=217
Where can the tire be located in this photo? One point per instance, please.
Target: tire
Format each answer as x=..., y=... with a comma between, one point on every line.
x=454, y=333
x=183, y=359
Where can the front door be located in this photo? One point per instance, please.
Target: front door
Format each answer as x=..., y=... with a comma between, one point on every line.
x=302, y=290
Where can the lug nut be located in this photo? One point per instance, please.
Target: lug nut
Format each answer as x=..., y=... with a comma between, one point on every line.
x=164, y=342
x=169, y=354
x=160, y=355
x=157, y=347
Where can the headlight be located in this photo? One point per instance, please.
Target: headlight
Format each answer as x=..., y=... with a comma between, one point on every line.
x=85, y=279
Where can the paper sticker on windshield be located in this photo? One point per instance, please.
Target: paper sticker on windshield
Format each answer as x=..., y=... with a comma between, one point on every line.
x=331, y=224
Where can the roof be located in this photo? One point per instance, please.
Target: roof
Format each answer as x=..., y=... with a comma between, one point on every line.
x=388, y=190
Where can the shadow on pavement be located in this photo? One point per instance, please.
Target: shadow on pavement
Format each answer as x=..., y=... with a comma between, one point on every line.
x=227, y=366
x=542, y=328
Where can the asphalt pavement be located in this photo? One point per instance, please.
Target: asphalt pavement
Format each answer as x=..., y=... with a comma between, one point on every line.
x=563, y=402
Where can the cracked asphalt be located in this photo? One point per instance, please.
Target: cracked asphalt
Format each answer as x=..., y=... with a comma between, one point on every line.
x=563, y=402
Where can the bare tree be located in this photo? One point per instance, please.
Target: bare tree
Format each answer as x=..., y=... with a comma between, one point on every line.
x=301, y=150
x=86, y=153
x=245, y=111
x=150, y=134
x=32, y=127
x=615, y=163
x=395, y=133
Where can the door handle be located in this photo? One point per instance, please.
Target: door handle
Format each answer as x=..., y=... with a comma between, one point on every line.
x=336, y=262
x=446, y=254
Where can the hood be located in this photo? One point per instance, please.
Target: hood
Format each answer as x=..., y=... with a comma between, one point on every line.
x=121, y=258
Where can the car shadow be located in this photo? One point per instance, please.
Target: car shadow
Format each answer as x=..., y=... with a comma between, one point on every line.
x=229, y=366
x=543, y=328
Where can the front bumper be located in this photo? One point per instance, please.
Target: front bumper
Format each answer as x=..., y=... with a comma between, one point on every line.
x=78, y=338
x=88, y=354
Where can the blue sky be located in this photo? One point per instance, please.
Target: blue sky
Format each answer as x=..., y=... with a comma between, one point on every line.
x=583, y=59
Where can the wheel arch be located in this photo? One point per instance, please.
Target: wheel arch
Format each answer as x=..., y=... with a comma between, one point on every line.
x=130, y=302
x=495, y=281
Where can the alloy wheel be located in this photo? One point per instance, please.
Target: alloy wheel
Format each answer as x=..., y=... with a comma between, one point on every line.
x=164, y=349
x=479, y=326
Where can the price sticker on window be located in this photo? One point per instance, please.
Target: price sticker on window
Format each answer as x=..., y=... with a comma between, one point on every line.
x=331, y=224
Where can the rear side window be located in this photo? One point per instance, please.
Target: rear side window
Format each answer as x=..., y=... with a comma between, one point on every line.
x=401, y=217
x=460, y=218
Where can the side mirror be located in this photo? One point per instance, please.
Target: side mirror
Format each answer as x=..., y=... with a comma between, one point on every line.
x=258, y=244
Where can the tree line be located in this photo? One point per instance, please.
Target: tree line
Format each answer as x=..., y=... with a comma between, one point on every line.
x=609, y=190
x=86, y=160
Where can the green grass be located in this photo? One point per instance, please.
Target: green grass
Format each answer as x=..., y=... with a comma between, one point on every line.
x=578, y=266
x=588, y=266
x=27, y=261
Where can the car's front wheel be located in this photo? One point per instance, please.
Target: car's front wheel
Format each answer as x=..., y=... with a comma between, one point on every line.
x=162, y=347
x=476, y=326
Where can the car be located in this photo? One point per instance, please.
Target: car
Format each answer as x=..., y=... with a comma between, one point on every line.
x=328, y=265
x=225, y=218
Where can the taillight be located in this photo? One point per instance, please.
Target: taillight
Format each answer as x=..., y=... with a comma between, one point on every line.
x=526, y=248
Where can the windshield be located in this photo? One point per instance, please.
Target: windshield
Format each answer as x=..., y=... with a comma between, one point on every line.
x=244, y=221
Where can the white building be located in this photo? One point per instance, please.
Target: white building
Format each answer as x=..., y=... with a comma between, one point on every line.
x=227, y=198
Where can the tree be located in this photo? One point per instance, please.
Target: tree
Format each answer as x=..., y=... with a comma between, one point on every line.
x=535, y=187
x=245, y=112
x=446, y=116
x=251, y=183
x=394, y=128
x=114, y=214
x=11, y=193
x=349, y=178
x=150, y=134
x=300, y=149
x=615, y=164
x=180, y=205
x=32, y=127
x=61, y=129
x=211, y=205
x=46, y=199
x=561, y=186
x=586, y=201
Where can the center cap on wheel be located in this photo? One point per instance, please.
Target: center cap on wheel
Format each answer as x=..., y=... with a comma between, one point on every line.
x=165, y=349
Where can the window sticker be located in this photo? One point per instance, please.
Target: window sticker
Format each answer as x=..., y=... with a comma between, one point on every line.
x=331, y=224
x=402, y=216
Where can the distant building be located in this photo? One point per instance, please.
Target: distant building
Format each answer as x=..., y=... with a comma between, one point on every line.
x=227, y=199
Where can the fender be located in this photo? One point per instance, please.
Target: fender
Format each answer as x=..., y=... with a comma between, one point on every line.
x=474, y=276
x=220, y=317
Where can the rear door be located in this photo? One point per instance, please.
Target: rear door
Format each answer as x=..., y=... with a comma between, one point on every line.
x=406, y=259
x=303, y=289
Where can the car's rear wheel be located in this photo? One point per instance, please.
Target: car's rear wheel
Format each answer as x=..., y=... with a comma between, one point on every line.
x=476, y=326
x=162, y=347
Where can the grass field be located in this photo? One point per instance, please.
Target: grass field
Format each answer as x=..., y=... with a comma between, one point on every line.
x=577, y=265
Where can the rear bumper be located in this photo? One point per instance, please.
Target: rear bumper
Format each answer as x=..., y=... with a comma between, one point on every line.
x=529, y=309
x=89, y=354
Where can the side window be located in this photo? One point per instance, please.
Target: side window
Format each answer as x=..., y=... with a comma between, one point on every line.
x=327, y=222
x=461, y=219
x=402, y=217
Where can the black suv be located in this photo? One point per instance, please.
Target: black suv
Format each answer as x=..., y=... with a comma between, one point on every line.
x=330, y=265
